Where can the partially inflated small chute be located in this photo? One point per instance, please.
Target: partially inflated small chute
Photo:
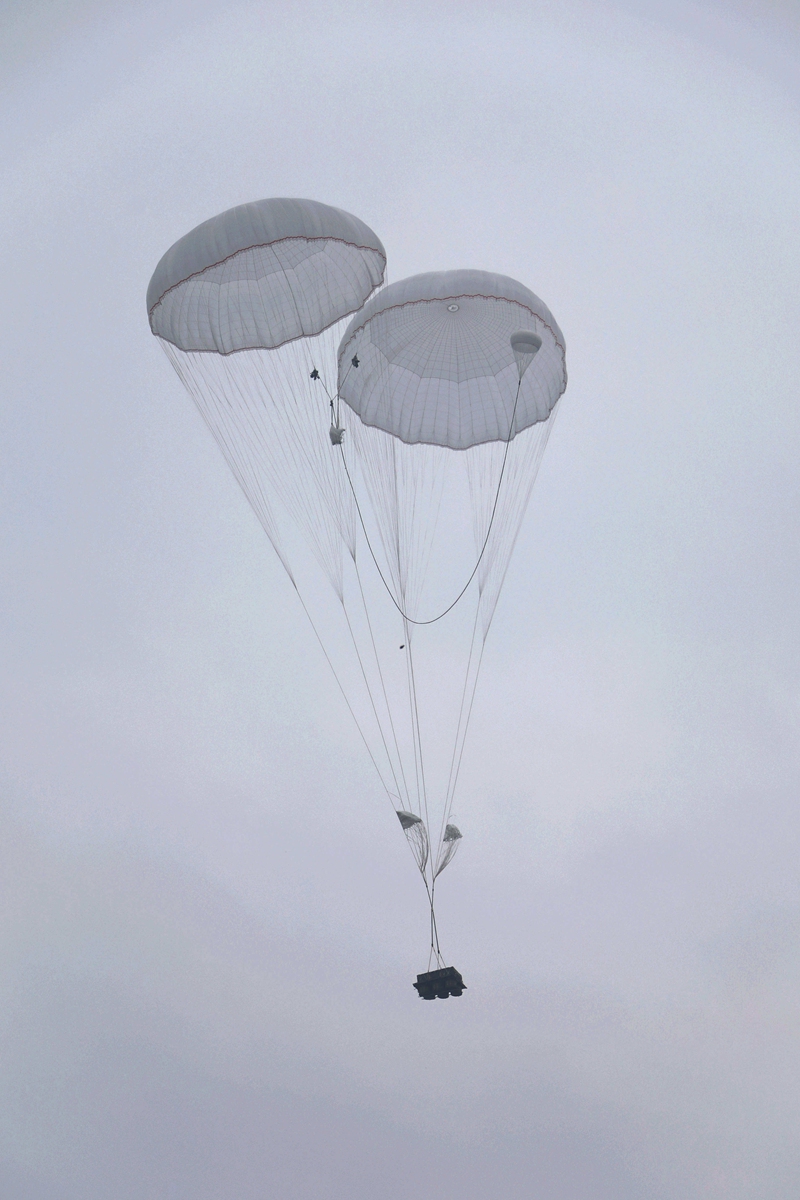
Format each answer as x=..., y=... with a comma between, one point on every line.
x=416, y=836
x=451, y=840
x=525, y=345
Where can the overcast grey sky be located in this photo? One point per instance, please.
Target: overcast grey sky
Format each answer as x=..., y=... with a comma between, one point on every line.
x=209, y=925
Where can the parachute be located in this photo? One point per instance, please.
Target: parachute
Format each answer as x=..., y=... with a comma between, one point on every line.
x=388, y=439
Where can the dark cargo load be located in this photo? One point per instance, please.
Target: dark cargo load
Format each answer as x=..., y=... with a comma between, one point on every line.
x=439, y=985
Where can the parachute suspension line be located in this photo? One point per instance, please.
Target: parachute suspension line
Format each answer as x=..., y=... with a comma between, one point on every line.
x=435, y=948
x=529, y=469
x=298, y=440
x=238, y=452
x=371, y=699
x=416, y=731
x=413, y=727
x=449, y=805
x=255, y=437
x=389, y=793
x=405, y=791
x=433, y=620
x=522, y=469
x=435, y=951
x=461, y=734
x=412, y=723
x=232, y=454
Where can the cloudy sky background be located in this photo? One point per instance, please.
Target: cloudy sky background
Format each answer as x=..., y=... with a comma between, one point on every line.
x=209, y=924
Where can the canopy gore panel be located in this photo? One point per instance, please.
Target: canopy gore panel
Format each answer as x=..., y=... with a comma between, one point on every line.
x=439, y=985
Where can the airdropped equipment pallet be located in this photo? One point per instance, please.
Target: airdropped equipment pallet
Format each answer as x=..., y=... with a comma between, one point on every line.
x=439, y=985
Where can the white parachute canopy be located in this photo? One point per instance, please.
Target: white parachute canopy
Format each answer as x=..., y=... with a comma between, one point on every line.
x=263, y=274
x=438, y=359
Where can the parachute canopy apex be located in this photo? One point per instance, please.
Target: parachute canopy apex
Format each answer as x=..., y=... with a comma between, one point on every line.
x=436, y=364
x=263, y=274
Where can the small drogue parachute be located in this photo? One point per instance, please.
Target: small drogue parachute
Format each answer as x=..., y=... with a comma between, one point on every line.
x=388, y=439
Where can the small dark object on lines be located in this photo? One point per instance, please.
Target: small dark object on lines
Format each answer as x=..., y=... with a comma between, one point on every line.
x=439, y=985
x=315, y=374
